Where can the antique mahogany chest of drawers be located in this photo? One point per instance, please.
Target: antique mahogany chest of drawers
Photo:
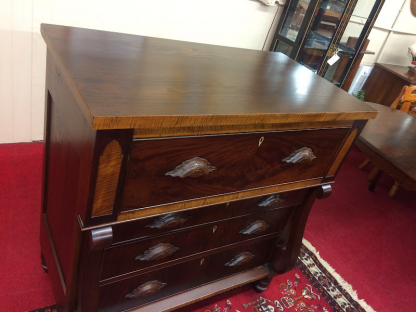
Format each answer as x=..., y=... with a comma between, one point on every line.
x=174, y=171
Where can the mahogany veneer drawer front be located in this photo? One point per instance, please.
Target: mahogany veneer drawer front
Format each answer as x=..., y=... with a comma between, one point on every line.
x=161, y=249
x=185, y=219
x=174, y=169
x=139, y=290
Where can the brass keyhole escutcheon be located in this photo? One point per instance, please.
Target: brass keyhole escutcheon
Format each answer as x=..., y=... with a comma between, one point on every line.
x=202, y=261
x=227, y=204
x=214, y=229
x=261, y=141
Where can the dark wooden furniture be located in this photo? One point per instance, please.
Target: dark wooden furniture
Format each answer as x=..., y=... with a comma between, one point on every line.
x=386, y=81
x=174, y=171
x=312, y=31
x=389, y=143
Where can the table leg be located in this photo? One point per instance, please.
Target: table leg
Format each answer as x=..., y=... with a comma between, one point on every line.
x=364, y=163
x=394, y=189
x=373, y=178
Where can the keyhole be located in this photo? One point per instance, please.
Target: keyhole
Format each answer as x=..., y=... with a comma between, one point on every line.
x=214, y=229
x=261, y=141
x=202, y=261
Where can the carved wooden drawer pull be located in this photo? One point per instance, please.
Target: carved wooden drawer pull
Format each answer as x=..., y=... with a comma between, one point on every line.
x=271, y=200
x=304, y=153
x=240, y=259
x=194, y=167
x=255, y=227
x=157, y=252
x=146, y=290
x=168, y=221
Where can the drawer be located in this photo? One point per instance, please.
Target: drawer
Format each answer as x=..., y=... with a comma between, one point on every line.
x=180, y=220
x=170, y=170
x=148, y=287
x=162, y=249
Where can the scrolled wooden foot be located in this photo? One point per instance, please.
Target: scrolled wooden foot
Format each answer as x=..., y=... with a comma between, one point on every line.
x=364, y=163
x=43, y=263
x=394, y=189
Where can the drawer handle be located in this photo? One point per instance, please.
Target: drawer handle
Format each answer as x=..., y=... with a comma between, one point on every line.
x=146, y=290
x=157, y=252
x=194, y=167
x=168, y=221
x=255, y=227
x=240, y=259
x=304, y=153
x=271, y=200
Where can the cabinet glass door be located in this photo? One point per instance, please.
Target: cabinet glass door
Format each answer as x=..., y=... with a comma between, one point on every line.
x=293, y=27
x=321, y=33
x=294, y=18
x=350, y=43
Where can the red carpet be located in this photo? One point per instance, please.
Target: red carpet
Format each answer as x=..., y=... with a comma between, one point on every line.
x=309, y=287
x=23, y=284
x=367, y=237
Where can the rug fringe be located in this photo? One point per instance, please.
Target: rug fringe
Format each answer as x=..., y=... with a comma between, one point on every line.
x=338, y=277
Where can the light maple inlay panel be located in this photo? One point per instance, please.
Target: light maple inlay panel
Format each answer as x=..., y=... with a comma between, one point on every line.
x=107, y=179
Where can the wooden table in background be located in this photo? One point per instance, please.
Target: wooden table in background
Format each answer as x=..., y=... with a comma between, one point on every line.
x=389, y=142
x=386, y=81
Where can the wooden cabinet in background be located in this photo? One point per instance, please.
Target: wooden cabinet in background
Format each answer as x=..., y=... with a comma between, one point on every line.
x=386, y=81
x=174, y=171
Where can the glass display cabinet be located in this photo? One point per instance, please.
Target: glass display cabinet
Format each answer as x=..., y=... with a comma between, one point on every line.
x=313, y=31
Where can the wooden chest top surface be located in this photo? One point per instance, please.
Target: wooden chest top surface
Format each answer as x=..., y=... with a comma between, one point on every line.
x=126, y=81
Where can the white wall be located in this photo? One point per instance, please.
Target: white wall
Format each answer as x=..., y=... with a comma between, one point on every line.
x=236, y=23
x=395, y=48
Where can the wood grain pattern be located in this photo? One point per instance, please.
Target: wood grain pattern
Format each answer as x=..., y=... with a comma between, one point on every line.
x=200, y=216
x=211, y=129
x=139, y=213
x=125, y=92
x=341, y=154
x=211, y=269
x=214, y=288
x=101, y=88
x=190, y=242
x=241, y=164
x=68, y=153
x=107, y=179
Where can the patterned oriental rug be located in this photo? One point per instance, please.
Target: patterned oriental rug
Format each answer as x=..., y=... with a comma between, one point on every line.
x=312, y=286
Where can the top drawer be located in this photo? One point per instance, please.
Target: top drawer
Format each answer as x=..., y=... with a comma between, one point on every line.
x=169, y=170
